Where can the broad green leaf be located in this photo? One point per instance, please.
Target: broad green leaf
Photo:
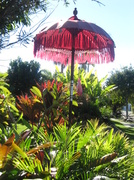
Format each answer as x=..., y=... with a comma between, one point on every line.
x=20, y=117
x=26, y=123
x=75, y=103
x=53, y=95
x=17, y=148
x=36, y=100
x=13, y=107
x=5, y=90
x=6, y=123
x=108, y=89
x=36, y=91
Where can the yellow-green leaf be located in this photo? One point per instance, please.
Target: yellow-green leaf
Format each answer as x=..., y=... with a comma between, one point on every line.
x=75, y=103
x=36, y=91
x=13, y=107
x=17, y=148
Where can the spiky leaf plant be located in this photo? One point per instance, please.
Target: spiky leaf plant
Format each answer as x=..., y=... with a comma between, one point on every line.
x=92, y=150
x=78, y=152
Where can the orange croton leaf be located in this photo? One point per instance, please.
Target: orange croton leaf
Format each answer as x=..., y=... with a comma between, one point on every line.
x=46, y=85
x=5, y=149
x=30, y=106
x=49, y=85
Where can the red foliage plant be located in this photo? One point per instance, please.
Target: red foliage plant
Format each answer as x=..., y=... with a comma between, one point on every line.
x=49, y=104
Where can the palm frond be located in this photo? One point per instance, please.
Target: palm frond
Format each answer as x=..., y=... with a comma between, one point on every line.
x=30, y=165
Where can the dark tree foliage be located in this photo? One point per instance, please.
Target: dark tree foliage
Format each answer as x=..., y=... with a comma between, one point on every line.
x=15, y=14
x=22, y=76
x=124, y=81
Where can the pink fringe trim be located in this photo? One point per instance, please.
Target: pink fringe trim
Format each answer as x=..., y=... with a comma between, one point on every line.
x=80, y=57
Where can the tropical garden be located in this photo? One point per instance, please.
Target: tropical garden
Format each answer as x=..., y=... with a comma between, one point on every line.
x=37, y=140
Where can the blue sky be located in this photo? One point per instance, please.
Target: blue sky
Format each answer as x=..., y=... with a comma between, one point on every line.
x=116, y=18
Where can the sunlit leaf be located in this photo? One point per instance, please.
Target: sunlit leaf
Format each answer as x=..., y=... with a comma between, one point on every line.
x=36, y=91
x=5, y=90
x=5, y=149
x=13, y=107
x=19, y=150
x=75, y=103
x=110, y=136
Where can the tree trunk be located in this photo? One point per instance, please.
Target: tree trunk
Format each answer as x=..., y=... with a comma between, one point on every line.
x=126, y=108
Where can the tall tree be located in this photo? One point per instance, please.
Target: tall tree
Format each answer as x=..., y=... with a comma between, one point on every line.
x=22, y=76
x=124, y=81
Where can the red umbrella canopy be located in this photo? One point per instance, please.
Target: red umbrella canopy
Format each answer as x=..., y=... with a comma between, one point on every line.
x=90, y=42
x=74, y=40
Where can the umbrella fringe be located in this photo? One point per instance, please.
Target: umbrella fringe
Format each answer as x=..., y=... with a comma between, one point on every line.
x=64, y=56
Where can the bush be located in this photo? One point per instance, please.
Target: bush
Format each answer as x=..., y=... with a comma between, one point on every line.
x=22, y=76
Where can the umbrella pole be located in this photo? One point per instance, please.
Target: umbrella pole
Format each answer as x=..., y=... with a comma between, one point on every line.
x=71, y=86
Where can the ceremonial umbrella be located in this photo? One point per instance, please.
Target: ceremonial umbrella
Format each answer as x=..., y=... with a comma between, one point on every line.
x=73, y=41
